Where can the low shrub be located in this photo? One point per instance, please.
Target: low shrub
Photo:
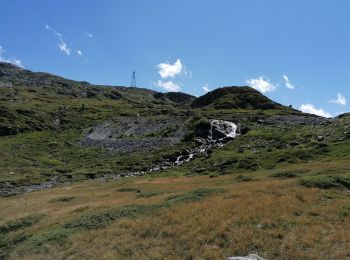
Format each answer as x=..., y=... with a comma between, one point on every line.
x=127, y=189
x=101, y=218
x=194, y=195
x=149, y=194
x=247, y=163
x=344, y=212
x=244, y=178
x=326, y=181
x=17, y=224
x=288, y=174
x=62, y=199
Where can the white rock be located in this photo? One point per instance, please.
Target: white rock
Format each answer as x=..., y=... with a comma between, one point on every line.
x=248, y=257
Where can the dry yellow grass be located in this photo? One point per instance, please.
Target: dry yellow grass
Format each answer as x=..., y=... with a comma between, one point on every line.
x=278, y=219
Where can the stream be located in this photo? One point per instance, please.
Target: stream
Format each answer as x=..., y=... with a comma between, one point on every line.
x=220, y=133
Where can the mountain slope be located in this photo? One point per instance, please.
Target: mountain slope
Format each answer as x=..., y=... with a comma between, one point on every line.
x=54, y=130
x=234, y=98
x=203, y=195
x=32, y=101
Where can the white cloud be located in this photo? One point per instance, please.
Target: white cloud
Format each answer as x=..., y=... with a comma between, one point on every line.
x=341, y=100
x=261, y=84
x=62, y=45
x=309, y=108
x=169, y=85
x=167, y=70
x=79, y=52
x=90, y=35
x=206, y=87
x=16, y=62
x=12, y=60
x=287, y=82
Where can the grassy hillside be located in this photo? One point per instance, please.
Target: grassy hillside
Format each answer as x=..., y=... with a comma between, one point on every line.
x=279, y=189
x=43, y=117
x=236, y=98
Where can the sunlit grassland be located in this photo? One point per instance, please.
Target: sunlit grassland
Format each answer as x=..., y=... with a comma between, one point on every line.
x=199, y=217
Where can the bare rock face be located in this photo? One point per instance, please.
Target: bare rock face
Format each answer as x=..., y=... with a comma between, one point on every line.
x=222, y=129
x=135, y=134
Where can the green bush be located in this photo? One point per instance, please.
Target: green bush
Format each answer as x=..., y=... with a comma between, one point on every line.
x=62, y=199
x=244, y=178
x=128, y=189
x=194, y=195
x=17, y=224
x=283, y=175
x=326, y=181
x=247, y=163
x=344, y=212
x=149, y=194
x=288, y=174
x=101, y=218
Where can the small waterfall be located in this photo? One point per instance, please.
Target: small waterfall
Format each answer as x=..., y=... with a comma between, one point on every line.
x=220, y=133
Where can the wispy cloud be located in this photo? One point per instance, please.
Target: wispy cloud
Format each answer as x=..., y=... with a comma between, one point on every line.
x=12, y=60
x=79, y=52
x=206, y=88
x=287, y=83
x=341, y=100
x=169, y=85
x=167, y=70
x=64, y=48
x=90, y=35
x=62, y=45
x=261, y=84
x=309, y=108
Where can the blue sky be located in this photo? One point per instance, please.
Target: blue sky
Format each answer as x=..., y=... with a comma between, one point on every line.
x=295, y=52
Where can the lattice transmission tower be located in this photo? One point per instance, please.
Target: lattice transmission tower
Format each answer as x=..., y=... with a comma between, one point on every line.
x=133, y=80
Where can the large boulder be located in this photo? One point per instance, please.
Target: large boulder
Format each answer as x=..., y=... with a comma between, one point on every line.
x=221, y=129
